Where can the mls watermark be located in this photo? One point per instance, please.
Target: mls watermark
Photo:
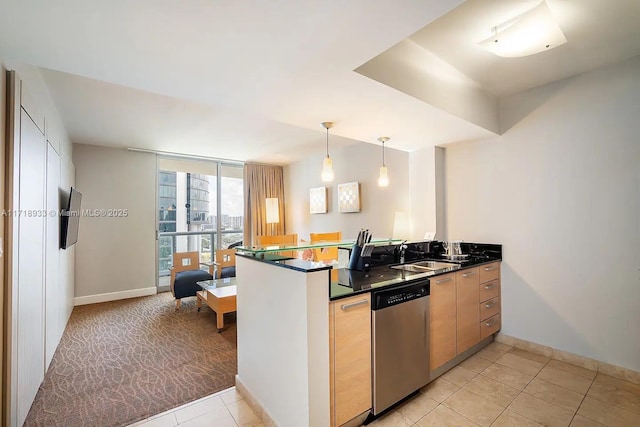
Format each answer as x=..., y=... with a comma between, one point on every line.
x=90, y=213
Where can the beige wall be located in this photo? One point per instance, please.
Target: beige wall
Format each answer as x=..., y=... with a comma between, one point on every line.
x=560, y=191
x=357, y=162
x=115, y=254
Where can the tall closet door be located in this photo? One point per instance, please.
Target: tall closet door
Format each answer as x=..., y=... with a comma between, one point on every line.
x=30, y=289
x=55, y=296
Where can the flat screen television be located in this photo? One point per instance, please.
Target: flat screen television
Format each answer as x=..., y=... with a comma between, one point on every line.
x=70, y=220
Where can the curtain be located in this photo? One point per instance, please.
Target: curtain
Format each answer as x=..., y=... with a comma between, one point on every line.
x=262, y=182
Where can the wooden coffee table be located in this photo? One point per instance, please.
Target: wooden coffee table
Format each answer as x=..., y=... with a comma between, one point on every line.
x=220, y=296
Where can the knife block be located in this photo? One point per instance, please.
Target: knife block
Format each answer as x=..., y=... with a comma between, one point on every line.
x=357, y=261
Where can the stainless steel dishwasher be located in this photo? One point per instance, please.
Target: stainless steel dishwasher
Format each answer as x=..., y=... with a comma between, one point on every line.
x=400, y=343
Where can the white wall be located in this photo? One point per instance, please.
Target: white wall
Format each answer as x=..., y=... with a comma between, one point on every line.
x=357, y=162
x=115, y=256
x=426, y=192
x=561, y=191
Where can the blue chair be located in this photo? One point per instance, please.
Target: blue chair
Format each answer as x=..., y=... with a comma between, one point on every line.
x=185, y=272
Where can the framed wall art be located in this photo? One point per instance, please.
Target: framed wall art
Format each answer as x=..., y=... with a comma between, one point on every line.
x=349, y=197
x=318, y=200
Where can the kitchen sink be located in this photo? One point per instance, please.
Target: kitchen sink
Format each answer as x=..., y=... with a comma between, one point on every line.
x=424, y=266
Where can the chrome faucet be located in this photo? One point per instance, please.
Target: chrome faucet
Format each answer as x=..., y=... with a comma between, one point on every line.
x=403, y=248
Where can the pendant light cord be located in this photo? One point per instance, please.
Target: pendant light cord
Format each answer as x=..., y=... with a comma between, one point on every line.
x=383, y=153
x=327, y=142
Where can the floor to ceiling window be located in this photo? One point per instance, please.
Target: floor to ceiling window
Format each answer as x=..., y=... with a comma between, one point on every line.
x=200, y=208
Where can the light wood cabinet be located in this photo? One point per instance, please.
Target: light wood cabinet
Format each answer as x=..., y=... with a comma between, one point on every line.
x=442, y=318
x=349, y=358
x=490, y=321
x=468, y=308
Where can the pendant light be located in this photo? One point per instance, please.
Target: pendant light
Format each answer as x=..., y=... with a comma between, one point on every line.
x=383, y=180
x=327, y=165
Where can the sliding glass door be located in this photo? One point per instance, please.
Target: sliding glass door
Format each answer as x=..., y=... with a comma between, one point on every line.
x=200, y=208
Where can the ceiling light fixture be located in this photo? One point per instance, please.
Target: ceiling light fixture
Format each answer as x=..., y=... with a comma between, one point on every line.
x=327, y=164
x=529, y=33
x=383, y=180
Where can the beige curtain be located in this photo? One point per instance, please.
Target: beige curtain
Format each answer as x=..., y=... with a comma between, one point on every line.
x=262, y=182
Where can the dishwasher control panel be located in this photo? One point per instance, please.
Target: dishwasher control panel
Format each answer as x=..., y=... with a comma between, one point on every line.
x=398, y=295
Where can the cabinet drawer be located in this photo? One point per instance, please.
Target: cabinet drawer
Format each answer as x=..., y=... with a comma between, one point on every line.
x=489, y=272
x=489, y=326
x=489, y=290
x=489, y=308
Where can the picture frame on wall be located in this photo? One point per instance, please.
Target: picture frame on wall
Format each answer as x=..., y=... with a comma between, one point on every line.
x=349, y=197
x=318, y=200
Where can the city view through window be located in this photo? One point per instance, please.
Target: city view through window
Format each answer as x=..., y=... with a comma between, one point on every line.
x=198, y=212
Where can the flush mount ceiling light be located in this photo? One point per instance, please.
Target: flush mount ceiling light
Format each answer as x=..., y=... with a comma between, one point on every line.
x=529, y=33
x=383, y=179
x=327, y=164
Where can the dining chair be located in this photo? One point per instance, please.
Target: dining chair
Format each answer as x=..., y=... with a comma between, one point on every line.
x=325, y=254
x=281, y=240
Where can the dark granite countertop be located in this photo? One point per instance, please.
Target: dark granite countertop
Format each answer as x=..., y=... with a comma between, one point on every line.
x=347, y=282
x=353, y=282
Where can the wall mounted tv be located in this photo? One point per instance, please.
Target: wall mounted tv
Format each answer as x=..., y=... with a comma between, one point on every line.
x=70, y=220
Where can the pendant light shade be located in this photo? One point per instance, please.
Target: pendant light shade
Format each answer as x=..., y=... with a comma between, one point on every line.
x=383, y=179
x=327, y=164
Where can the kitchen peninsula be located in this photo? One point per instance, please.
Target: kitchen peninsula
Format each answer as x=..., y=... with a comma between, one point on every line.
x=290, y=339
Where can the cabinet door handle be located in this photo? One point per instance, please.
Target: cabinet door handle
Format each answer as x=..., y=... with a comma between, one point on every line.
x=490, y=304
x=491, y=286
x=490, y=323
x=465, y=275
x=448, y=279
x=492, y=267
x=354, y=304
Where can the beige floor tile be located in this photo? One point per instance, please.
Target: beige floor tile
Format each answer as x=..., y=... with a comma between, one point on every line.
x=494, y=351
x=440, y=389
x=508, y=376
x=530, y=355
x=580, y=421
x=617, y=382
x=476, y=363
x=230, y=396
x=459, y=376
x=497, y=392
x=511, y=419
x=564, y=378
x=615, y=396
x=521, y=364
x=606, y=414
x=242, y=413
x=577, y=370
x=552, y=393
x=219, y=417
x=166, y=420
x=198, y=408
x=541, y=411
x=393, y=419
x=445, y=417
x=417, y=407
x=473, y=407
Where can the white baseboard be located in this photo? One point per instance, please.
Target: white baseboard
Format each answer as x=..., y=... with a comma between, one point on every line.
x=113, y=296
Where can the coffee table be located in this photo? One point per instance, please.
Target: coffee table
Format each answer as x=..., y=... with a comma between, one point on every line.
x=219, y=295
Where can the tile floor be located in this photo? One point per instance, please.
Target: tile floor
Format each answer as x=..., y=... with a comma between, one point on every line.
x=223, y=409
x=500, y=386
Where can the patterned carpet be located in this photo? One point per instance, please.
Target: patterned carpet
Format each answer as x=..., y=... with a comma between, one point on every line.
x=122, y=361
